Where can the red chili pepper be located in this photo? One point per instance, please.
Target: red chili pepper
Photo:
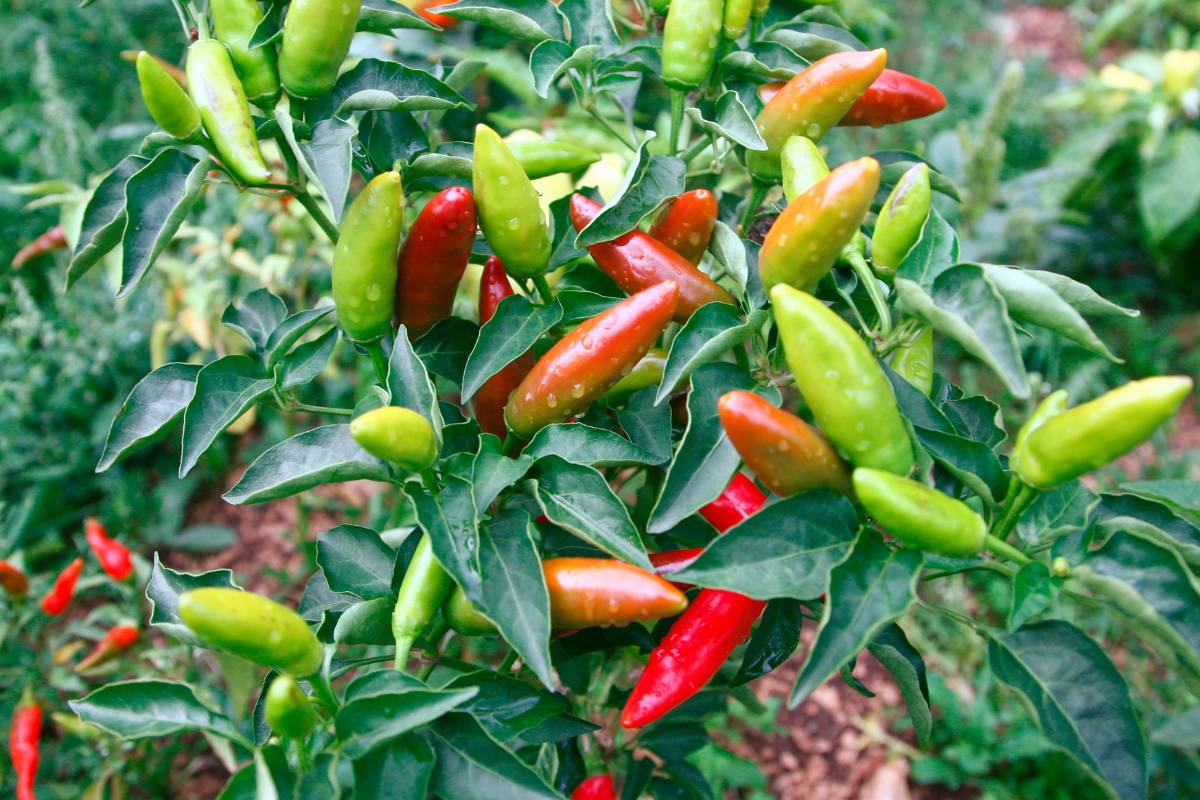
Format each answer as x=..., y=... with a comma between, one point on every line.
x=441, y=20
x=894, y=97
x=23, y=744
x=705, y=634
x=669, y=561
x=433, y=259
x=637, y=261
x=597, y=787
x=59, y=597
x=48, y=242
x=687, y=225
x=118, y=639
x=113, y=556
x=493, y=395
x=14, y=581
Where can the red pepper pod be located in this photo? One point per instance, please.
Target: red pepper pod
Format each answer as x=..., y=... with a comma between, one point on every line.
x=637, y=261
x=894, y=97
x=433, y=259
x=590, y=359
x=53, y=239
x=14, y=581
x=113, y=556
x=23, y=745
x=491, y=398
x=118, y=639
x=597, y=787
x=669, y=561
x=423, y=7
x=740, y=499
x=687, y=225
x=59, y=597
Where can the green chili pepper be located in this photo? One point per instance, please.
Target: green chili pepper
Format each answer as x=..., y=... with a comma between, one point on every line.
x=545, y=157
x=316, y=40
x=509, y=212
x=914, y=361
x=803, y=168
x=464, y=618
x=1091, y=435
x=1054, y=404
x=396, y=434
x=660, y=6
x=252, y=627
x=691, y=37
x=234, y=22
x=165, y=99
x=421, y=594
x=737, y=16
x=760, y=8
x=918, y=515
x=900, y=221
x=288, y=710
x=847, y=392
x=648, y=372
x=224, y=111
x=364, y=261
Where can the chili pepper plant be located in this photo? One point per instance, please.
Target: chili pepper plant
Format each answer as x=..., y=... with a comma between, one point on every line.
x=668, y=425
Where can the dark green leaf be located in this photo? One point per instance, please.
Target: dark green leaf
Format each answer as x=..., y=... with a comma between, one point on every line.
x=649, y=182
x=715, y=329
x=401, y=768
x=288, y=332
x=1182, y=496
x=1147, y=519
x=451, y=521
x=366, y=723
x=256, y=316
x=530, y=20
x=306, y=362
x=384, y=16
x=773, y=641
x=583, y=444
x=355, y=560
x=368, y=622
x=375, y=85
x=150, y=709
x=225, y=389
x=471, y=766
x=152, y=408
x=508, y=335
x=103, y=218
x=647, y=424
x=731, y=121
x=1033, y=591
x=579, y=499
x=907, y=667
x=410, y=384
x=445, y=347
x=328, y=154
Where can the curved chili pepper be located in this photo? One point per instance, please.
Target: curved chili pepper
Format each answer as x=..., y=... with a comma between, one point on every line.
x=364, y=260
x=590, y=359
x=669, y=561
x=433, y=259
x=702, y=638
x=1054, y=404
x=510, y=213
x=252, y=627
x=811, y=103
x=919, y=515
x=52, y=239
x=23, y=745
x=423, y=7
x=396, y=434
x=541, y=158
x=892, y=98
x=169, y=105
x=900, y=221
x=425, y=586
x=234, y=23
x=491, y=398
x=219, y=96
x=288, y=710
x=914, y=361
x=647, y=372
x=59, y=597
x=687, y=225
x=113, y=556
x=117, y=640
x=597, y=787
x=637, y=261
x=737, y=16
x=691, y=36
x=786, y=453
x=14, y=581
x=316, y=40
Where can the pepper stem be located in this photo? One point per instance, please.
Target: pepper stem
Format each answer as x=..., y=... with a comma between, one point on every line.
x=757, y=193
x=677, y=99
x=511, y=445
x=324, y=692
x=314, y=210
x=1012, y=512
x=543, y=289
x=1003, y=549
x=379, y=360
x=866, y=277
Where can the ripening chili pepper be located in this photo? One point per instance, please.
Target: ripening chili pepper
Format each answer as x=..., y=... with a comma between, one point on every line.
x=702, y=638
x=901, y=220
x=234, y=22
x=1092, y=434
x=850, y=397
x=760, y=9
x=364, y=261
x=424, y=9
x=892, y=98
x=687, y=225
x=433, y=259
x=288, y=710
x=14, y=581
x=52, y=239
x=587, y=361
x=541, y=158
x=396, y=434
x=492, y=397
x=806, y=240
x=691, y=36
x=422, y=592
x=585, y=593
x=1054, y=403
x=23, y=745
x=463, y=618
x=510, y=213
x=316, y=40
x=736, y=17
x=648, y=372
x=669, y=561
x=811, y=103
x=113, y=556
x=803, y=168
x=117, y=640
x=919, y=515
x=169, y=105
x=637, y=261
x=252, y=627
x=224, y=111
x=783, y=451
x=59, y=597
x=913, y=361
x=597, y=787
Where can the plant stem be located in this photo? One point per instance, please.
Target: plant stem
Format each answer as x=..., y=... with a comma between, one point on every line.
x=379, y=360
x=867, y=278
x=758, y=192
x=1013, y=509
x=999, y=547
x=508, y=661
x=324, y=692
x=678, y=96
x=695, y=150
x=543, y=289
x=341, y=412
x=314, y=209
x=511, y=445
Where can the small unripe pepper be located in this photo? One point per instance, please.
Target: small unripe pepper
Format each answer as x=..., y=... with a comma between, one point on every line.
x=509, y=211
x=117, y=640
x=252, y=627
x=914, y=361
x=737, y=15
x=687, y=225
x=648, y=372
x=1092, y=434
x=597, y=787
x=850, y=397
x=586, y=362
x=433, y=259
x=894, y=97
x=423, y=590
x=234, y=22
x=219, y=96
x=14, y=581
x=59, y=597
x=316, y=40
x=900, y=221
x=918, y=515
x=288, y=710
x=691, y=36
x=1054, y=403
x=23, y=744
x=396, y=434
x=167, y=102
x=364, y=261
x=113, y=556
x=492, y=397
x=541, y=158
x=786, y=453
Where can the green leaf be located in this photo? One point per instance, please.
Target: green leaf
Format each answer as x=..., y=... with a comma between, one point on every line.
x=103, y=222
x=329, y=154
x=787, y=549
x=508, y=335
x=471, y=766
x=492, y=472
x=150, y=709
x=712, y=331
x=321, y=455
x=647, y=424
x=225, y=389
x=256, y=316
x=765, y=61
x=1182, y=496
x=451, y=521
x=377, y=682
x=376, y=85
x=774, y=640
x=204, y=538
x=157, y=199
x=592, y=447
x=410, y=384
x=163, y=590
x=384, y=16
x=1149, y=520
x=1081, y=297
x=730, y=251
x=934, y=253
x=897, y=162
x=445, y=347
x=1168, y=198
x=901, y=659
x=368, y=622
x=871, y=588
x=288, y=332
x=732, y=121
x=1082, y=703
x=356, y=561
x=551, y=58
x=1056, y=513
x=1033, y=591
x=152, y=408
x=516, y=711
x=580, y=304
x=590, y=23
x=366, y=723
x=306, y=362
x=529, y=20
x=579, y=499
x=813, y=41
x=649, y=182
x=1182, y=732
x=401, y=768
